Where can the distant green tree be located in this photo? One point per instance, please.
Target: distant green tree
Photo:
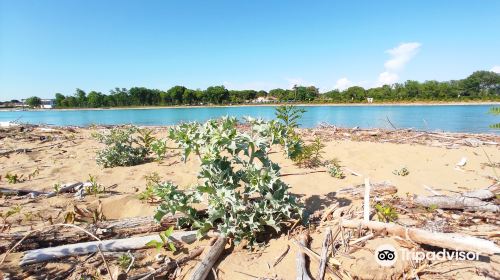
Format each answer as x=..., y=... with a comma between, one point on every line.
x=60, y=100
x=217, y=94
x=34, y=102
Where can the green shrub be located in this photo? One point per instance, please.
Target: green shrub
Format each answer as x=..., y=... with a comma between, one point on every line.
x=123, y=147
x=239, y=182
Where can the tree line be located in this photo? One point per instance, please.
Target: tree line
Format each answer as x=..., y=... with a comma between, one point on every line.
x=481, y=85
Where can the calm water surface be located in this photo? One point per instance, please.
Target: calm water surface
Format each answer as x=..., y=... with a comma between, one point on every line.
x=453, y=118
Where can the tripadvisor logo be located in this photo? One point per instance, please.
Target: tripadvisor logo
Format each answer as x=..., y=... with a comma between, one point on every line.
x=386, y=255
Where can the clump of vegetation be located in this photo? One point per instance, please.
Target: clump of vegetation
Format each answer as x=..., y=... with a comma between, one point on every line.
x=152, y=180
x=311, y=155
x=386, y=213
x=164, y=242
x=14, y=178
x=5, y=215
x=335, y=170
x=288, y=116
x=124, y=261
x=124, y=147
x=240, y=183
x=94, y=188
x=401, y=172
x=159, y=148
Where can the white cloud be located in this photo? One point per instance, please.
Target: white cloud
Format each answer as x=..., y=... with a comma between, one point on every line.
x=386, y=78
x=496, y=69
x=343, y=83
x=401, y=55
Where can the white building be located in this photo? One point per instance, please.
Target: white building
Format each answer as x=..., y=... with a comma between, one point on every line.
x=46, y=103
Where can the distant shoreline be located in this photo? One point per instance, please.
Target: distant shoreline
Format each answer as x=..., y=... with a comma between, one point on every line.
x=266, y=105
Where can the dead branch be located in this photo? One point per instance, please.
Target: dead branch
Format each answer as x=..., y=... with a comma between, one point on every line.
x=324, y=253
x=301, y=259
x=204, y=267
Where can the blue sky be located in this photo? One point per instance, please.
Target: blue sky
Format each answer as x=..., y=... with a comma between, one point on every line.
x=56, y=46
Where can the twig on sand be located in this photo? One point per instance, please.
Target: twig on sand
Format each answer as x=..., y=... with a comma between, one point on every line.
x=301, y=259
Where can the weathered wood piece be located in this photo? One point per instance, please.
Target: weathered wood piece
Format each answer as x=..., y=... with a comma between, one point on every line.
x=461, y=202
x=324, y=253
x=204, y=267
x=133, y=243
x=450, y=241
x=301, y=259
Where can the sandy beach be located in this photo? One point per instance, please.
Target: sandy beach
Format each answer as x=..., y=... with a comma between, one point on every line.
x=68, y=155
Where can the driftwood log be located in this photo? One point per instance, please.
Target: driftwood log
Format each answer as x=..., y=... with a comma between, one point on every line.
x=452, y=241
x=205, y=266
x=301, y=259
x=133, y=243
x=376, y=189
x=469, y=201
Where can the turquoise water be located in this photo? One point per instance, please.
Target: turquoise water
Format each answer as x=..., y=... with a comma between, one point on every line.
x=453, y=118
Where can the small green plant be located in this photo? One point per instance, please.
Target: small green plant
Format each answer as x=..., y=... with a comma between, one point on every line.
x=401, y=172
x=57, y=187
x=152, y=180
x=146, y=138
x=13, y=178
x=123, y=147
x=124, y=261
x=164, y=242
x=336, y=171
x=159, y=148
x=288, y=117
x=94, y=188
x=10, y=212
x=386, y=213
x=432, y=208
x=33, y=174
x=311, y=155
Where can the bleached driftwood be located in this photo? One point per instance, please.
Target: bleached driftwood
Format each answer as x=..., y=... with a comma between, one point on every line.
x=133, y=243
x=450, y=241
x=466, y=201
x=301, y=259
x=324, y=253
x=65, y=188
x=377, y=189
x=204, y=267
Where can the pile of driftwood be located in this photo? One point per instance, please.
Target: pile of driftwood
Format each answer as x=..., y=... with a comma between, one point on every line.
x=404, y=136
x=346, y=229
